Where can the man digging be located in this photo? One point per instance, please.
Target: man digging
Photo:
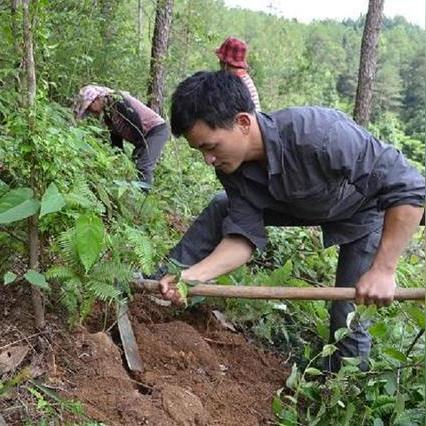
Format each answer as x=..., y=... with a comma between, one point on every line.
x=302, y=166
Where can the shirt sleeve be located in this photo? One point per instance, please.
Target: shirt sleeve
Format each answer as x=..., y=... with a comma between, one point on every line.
x=376, y=169
x=243, y=218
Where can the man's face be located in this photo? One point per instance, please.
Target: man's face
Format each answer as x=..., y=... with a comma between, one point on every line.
x=224, y=149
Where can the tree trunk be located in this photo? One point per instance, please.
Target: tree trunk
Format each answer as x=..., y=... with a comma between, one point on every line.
x=368, y=62
x=17, y=51
x=29, y=65
x=29, y=97
x=140, y=26
x=107, y=28
x=160, y=41
x=34, y=248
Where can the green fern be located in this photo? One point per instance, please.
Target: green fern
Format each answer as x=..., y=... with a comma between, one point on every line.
x=103, y=291
x=111, y=271
x=142, y=248
x=62, y=273
x=383, y=405
x=80, y=289
x=82, y=196
x=68, y=249
x=86, y=307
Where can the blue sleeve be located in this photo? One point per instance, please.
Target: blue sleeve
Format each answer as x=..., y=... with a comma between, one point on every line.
x=376, y=169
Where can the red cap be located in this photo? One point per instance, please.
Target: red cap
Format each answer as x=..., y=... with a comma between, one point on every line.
x=233, y=52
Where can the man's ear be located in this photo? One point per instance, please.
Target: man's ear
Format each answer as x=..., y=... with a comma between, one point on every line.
x=243, y=120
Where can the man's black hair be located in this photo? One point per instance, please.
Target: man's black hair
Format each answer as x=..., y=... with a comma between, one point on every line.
x=213, y=97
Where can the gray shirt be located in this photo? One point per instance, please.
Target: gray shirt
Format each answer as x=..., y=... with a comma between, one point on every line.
x=322, y=169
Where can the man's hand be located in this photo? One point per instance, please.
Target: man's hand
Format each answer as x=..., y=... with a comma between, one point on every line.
x=375, y=287
x=169, y=291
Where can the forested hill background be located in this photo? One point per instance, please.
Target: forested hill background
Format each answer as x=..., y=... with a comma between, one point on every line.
x=291, y=63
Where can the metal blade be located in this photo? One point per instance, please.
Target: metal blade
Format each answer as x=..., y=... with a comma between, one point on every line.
x=128, y=340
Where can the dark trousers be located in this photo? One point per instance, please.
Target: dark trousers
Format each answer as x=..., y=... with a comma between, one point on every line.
x=147, y=154
x=355, y=258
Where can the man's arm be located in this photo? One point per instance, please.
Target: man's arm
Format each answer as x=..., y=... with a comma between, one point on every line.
x=377, y=285
x=232, y=252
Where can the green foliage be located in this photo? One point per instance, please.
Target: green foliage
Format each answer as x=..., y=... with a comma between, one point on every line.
x=351, y=396
x=89, y=239
x=52, y=200
x=52, y=407
x=9, y=277
x=37, y=279
x=17, y=204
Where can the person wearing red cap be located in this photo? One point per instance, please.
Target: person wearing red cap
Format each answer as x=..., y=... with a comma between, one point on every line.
x=232, y=57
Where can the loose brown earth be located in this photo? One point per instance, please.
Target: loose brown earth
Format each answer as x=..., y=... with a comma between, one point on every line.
x=195, y=371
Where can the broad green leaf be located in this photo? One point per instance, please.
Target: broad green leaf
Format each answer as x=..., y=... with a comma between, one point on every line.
x=417, y=315
x=391, y=383
x=4, y=187
x=378, y=330
x=52, y=200
x=327, y=350
x=37, y=279
x=348, y=370
x=378, y=422
x=9, y=277
x=281, y=275
x=17, y=204
x=89, y=238
x=351, y=360
x=313, y=371
x=395, y=354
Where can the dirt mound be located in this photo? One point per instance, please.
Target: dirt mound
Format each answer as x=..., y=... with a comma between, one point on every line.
x=195, y=372
x=175, y=346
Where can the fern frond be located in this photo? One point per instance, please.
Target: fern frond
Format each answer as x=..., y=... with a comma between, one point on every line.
x=61, y=273
x=82, y=196
x=112, y=271
x=103, y=291
x=142, y=248
x=68, y=249
x=384, y=405
x=86, y=307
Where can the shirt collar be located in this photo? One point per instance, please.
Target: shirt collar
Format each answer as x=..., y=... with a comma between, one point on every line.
x=272, y=142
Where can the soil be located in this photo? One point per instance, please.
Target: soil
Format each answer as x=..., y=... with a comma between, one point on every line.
x=195, y=371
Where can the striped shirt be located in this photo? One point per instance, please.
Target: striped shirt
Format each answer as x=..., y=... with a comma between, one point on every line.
x=243, y=74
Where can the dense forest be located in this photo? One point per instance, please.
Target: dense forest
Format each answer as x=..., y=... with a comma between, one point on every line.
x=73, y=223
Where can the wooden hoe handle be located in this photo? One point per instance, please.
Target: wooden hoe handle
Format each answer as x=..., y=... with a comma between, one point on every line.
x=289, y=293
